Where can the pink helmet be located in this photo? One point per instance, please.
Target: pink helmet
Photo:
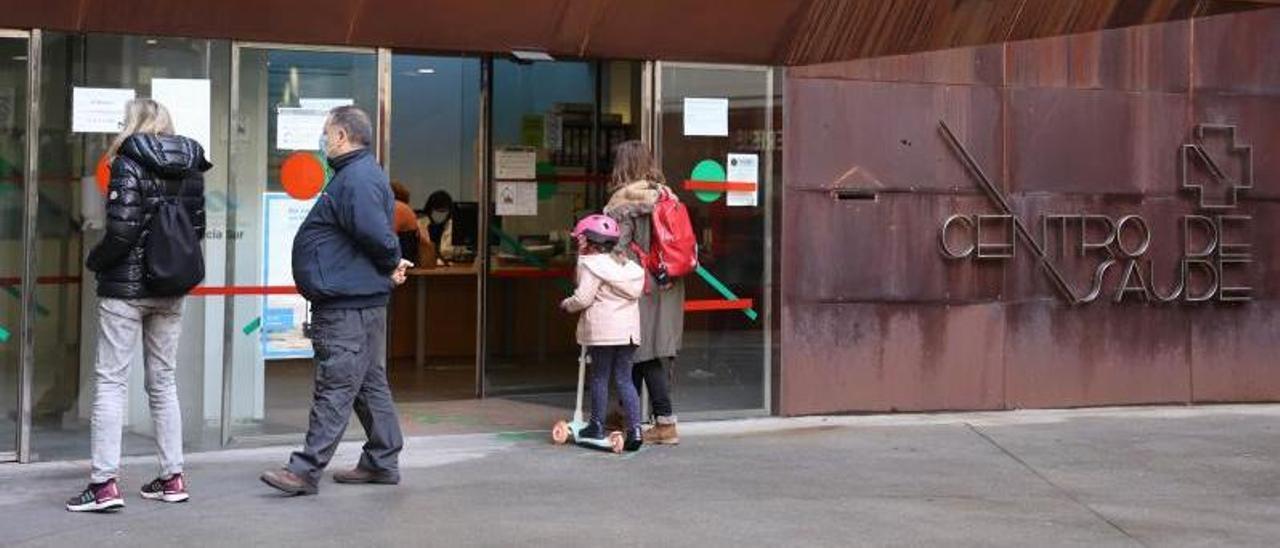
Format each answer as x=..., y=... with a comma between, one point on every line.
x=600, y=229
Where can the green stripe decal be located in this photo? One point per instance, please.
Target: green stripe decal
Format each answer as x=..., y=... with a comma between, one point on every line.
x=13, y=292
x=252, y=326
x=529, y=257
x=4, y=335
x=724, y=291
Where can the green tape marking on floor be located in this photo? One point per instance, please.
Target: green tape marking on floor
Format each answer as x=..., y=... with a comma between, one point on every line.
x=4, y=335
x=252, y=326
x=724, y=291
x=519, y=436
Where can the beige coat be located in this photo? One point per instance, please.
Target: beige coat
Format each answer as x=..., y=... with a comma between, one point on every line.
x=661, y=310
x=608, y=296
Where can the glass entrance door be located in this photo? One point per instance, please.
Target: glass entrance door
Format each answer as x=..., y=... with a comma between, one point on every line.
x=13, y=211
x=715, y=127
x=280, y=98
x=552, y=131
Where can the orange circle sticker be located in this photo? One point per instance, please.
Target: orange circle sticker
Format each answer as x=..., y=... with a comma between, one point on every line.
x=103, y=174
x=302, y=175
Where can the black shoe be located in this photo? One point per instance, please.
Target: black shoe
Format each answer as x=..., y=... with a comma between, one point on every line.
x=635, y=439
x=593, y=431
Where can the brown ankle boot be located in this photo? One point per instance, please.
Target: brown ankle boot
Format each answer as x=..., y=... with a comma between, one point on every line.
x=662, y=434
x=615, y=422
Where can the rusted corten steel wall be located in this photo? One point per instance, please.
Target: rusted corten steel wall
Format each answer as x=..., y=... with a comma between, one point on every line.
x=874, y=318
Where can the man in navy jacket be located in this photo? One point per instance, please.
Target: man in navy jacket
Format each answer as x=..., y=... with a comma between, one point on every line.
x=346, y=260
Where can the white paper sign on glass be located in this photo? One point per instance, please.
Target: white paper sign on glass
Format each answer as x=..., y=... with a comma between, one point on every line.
x=706, y=117
x=516, y=198
x=743, y=168
x=515, y=163
x=188, y=103
x=299, y=128
x=99, y=110
x=325, y=104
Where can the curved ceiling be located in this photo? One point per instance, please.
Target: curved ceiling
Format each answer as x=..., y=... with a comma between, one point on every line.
x=774, y=32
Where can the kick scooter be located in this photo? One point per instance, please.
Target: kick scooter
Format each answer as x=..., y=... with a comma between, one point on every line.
x=563, y=431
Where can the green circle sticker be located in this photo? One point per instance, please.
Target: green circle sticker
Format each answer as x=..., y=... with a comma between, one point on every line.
x=710, y=171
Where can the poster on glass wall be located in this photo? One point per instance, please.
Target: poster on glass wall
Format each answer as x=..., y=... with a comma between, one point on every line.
x=282, y=315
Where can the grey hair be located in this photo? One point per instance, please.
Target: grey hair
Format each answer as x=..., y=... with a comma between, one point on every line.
x=355, y=122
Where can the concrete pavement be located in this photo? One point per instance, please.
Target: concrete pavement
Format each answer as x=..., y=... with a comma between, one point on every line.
x=1101, y=477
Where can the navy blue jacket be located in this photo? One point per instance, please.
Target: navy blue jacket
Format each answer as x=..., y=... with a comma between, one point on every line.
x=344, y=252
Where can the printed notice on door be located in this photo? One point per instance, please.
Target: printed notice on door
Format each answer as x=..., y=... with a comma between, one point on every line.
x=99, y=110
x=516, y=198
x=519, y=163
x=743, y=168
x=706, y=117
x=300, y=128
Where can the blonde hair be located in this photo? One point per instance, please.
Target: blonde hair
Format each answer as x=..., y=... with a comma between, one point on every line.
x=633, y=162
x=141, y=116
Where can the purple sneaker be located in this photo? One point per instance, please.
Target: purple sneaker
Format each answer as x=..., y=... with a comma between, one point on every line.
x=98, y=497
x=173, y=489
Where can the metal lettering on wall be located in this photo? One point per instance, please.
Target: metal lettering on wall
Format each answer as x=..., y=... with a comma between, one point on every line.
x=1213, y=257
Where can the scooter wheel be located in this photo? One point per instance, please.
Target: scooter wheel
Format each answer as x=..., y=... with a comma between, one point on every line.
x=560, y=433
x=616, y=441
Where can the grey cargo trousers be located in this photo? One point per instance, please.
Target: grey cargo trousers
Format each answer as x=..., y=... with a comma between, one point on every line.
x=350, y=357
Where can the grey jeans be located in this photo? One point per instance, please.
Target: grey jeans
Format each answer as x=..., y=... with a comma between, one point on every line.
x=351, y=374
x=119, y=323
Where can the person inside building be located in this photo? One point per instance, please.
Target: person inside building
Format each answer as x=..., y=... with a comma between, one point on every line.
x=637, y=183
x=437, y=221
x=415, y=247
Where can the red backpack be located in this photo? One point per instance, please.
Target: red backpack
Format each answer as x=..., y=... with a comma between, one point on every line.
x=672, y=244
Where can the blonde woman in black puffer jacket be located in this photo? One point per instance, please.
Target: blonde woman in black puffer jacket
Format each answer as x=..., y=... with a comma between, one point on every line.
x=149, y=164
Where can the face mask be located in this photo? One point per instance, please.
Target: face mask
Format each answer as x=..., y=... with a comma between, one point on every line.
x=324, y=144
x=439, y=216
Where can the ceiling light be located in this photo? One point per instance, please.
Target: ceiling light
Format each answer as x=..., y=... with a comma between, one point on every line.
x=527, y=56
x=19, y=57
x=152, y=42
x=426, y=71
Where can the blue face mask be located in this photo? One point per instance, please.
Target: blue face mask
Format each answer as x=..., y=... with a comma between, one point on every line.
x=324, y=144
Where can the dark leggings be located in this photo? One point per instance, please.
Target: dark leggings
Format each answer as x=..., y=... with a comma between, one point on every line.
x=655, y=375
x=613, y=361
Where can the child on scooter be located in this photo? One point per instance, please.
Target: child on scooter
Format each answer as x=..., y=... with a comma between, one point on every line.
x=608, y=293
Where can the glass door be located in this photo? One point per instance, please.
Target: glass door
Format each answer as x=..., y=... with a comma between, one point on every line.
x=280, y=98
x=552, y=131
x=714, y=134
x=13, y=222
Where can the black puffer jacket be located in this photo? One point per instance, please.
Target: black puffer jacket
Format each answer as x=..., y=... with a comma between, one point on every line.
x=146, y=169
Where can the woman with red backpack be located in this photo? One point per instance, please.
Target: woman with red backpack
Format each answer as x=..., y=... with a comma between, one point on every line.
x=639, y=188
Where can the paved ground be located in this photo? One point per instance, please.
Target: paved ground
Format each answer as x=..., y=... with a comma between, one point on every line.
x=1111, y=477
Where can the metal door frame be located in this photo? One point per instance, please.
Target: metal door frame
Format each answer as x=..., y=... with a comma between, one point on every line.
x=766, y=167
x=27, y=287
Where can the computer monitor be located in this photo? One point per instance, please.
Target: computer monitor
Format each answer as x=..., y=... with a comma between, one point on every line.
x=466, y=219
